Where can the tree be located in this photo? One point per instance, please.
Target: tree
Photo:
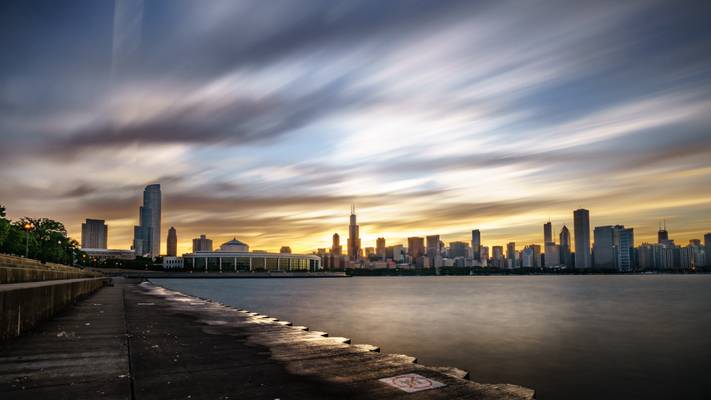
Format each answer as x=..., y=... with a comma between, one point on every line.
x=4, y=226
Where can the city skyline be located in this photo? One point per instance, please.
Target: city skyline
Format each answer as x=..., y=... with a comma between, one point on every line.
x=435, y=119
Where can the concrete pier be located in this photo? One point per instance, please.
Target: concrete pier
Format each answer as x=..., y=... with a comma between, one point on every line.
x=139, y=341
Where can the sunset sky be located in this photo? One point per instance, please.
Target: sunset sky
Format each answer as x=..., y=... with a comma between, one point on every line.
x=265, y=120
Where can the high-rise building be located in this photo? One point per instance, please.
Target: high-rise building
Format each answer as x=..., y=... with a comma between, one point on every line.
x=497, y=257
x=202, y=244
x=564, y=237
x=552, y=255
x=415, y=247
x=604, y=247
x=94, y=234
x=380, y=248
x=484, y=252
x=336, y=248
x=624, y=244
x=146, y=236
x=511, y=254
x=476, y=244
x=581, y=224
x=707, y=246
x=547, y=233
x=354, y=251
x=458, y=249
x=433, y=246
x=662, y=234
x=531, y=256
x=172, y=244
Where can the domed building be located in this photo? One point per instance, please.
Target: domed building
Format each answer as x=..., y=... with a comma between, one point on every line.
x=234, y=256
x=234, y=246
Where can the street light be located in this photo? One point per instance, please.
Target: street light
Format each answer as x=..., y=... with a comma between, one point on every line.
x=27, y=227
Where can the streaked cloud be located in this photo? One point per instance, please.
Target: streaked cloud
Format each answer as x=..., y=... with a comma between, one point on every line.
x=266, y=120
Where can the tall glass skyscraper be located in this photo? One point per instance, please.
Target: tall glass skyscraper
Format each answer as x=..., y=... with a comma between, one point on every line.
x=353, y=237
x=146, y=236
x=476, y=244
x=581, y=225
x=565, y=247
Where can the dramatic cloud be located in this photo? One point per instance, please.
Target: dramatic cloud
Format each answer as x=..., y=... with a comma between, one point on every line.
x=266, y=120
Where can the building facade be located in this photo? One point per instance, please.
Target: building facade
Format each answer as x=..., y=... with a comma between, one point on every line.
x=476, y=244
x=234, y=256
x=146, y=236
x=604, y=251
x=202, y=244
x=581, y=226
x=172, y=243
x=94, y=234
x=565, y=255
x=354, y=249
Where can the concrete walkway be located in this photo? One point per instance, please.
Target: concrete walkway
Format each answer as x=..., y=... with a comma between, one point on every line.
x=143, y=342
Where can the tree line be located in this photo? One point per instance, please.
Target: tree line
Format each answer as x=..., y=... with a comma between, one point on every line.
x=45, y=240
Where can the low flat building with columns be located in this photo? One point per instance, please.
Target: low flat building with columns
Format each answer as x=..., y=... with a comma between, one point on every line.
x=234, y=256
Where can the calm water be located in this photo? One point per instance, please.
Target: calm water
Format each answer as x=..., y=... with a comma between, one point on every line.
x=569, y=337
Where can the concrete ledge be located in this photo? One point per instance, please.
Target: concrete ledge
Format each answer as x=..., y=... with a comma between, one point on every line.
x=24, y=305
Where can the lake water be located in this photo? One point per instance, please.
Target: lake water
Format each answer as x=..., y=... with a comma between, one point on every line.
x=568, y=337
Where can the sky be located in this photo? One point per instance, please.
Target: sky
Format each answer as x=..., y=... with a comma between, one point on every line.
x=267, y=120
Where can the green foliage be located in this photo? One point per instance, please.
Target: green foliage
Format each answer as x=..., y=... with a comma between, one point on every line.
x=47, y=241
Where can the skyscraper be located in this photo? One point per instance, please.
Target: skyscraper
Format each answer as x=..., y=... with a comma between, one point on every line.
x=564, y=238
x=336, y=248
x=547, y=233
x=94, y=234
x=433, y=246
x=476, y=244
x=581, y=225
x=146, y=236
x=380, y=248
x=172, y=244
x=604, y=247
x=662, y=235
x=511, y=254
x=353, y=237
x=415, y=247
x=707, y=245
x=624, y=244
x=458, y=249
x=202, y=244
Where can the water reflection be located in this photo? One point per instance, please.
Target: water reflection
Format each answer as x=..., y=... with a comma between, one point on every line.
x=584, y=337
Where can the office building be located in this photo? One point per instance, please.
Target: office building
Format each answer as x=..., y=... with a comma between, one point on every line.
x=433, y=246
x=604, y=253
x=354, y=249
x=415, y=247
x=336, y=248
x=476, y=244
x=497, y=257
x=484, y=252
x=547, y=233
x=707, y=247
x=581, y=225
x=552, y=255
x=662, y=234
x=146, y=236
x=565, y=255
x=94, y=234
x=202, y=244
x=624, y=245
x=511, y=255
x=380, y=248
x=172, y=245
x=458, y=249
x=531, y=256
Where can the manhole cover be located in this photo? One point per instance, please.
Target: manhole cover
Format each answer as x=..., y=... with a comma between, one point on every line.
x=411, y=383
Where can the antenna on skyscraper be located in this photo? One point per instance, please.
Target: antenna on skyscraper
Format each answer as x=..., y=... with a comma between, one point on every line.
x=352, y=208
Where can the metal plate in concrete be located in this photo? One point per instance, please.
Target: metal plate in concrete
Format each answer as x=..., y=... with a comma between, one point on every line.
x=412, y=383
